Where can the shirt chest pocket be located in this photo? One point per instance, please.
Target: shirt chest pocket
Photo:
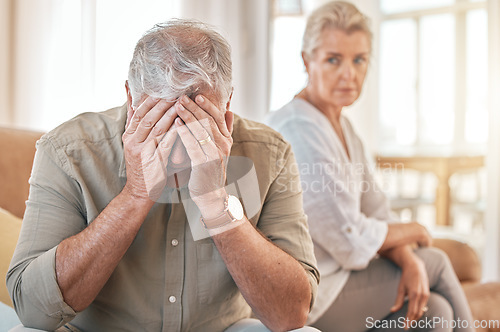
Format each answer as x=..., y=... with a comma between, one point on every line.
x=215, y=283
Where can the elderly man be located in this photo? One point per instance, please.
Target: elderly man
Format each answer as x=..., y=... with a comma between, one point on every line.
x=108, y=240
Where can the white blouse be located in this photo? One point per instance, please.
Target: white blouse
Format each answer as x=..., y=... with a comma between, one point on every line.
x=347, y=211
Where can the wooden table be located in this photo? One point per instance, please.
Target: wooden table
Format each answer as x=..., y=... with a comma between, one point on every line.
x=442, y=166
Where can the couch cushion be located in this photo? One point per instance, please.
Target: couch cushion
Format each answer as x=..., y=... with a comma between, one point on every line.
x=484, y=301
x=10, y=226
x=18, y=150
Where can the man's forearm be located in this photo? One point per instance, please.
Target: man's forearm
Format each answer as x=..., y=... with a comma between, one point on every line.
x=84, y=262
x=273, y=283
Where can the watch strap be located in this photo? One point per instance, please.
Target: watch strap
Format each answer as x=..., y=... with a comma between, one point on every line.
x=223, y=219
x=219, y=221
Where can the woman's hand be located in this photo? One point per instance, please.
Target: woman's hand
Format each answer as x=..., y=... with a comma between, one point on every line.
x=147, y=142
x=206, y=136
x=414, y=282
x=424, y=238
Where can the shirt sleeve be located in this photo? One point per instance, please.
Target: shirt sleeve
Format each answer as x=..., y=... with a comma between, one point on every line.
x=282, y=218
x=336, y=221
x=374, y=202
x=52, y=215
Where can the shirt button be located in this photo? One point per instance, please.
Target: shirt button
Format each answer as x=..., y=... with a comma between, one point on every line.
x=172, y=299
x=175, y=242
x=348, y=230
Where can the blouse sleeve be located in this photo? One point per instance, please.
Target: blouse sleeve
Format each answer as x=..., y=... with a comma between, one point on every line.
x=336, y=221
x=374, y=202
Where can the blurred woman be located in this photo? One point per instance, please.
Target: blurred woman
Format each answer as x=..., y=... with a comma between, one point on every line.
x=371, y=275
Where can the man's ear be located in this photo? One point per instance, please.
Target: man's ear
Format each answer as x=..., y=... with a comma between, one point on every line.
x=228, y=105
x=129, y=97
x=130, y=109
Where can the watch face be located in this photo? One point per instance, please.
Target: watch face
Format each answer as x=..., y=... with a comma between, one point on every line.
x=234, y=207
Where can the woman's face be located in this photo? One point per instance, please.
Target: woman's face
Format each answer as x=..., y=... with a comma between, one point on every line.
x=338, y=67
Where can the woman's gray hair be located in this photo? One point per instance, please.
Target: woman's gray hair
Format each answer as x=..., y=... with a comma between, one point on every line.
x=333, y=15
x=180, y=57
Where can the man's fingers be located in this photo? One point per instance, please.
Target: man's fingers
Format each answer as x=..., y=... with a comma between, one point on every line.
x=202, y=108
x=215, y=113
x=130, y=112
x=195, y=125
x=193, y=148
x=139, y=114
x=164, y=124
x=150, y=119
x=190, y=111
x=195, y=109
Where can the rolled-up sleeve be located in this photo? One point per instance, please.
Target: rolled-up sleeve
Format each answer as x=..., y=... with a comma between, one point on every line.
x=52, y=215
x=283, y=220
x=337, y=223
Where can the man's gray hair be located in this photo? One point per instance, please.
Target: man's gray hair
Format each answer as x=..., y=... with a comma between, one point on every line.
x=180, y=57
x=339, y=15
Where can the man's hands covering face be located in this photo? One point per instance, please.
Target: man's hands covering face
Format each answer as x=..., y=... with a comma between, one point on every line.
x=207, y=139
x=147, y=144
x=205, y=132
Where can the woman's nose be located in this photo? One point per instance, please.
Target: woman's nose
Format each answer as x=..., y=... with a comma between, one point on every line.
x=348, y=71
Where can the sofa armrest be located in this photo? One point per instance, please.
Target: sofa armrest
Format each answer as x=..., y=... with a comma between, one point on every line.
x=18, y=151
x=10, y=226
x=463, y=258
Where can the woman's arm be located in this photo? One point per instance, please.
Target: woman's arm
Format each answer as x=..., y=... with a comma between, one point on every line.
x=406, y=234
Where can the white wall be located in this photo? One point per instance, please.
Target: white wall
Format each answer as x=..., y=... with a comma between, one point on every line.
x=73, y=56
x=245, y=24
x=32, y=29
x=5, y=107
x=491, y=265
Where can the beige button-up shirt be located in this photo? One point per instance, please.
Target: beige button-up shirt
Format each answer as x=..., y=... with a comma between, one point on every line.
x=168, y=280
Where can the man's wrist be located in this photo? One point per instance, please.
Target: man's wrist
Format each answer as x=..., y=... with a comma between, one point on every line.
x=227, y=227
x=135, y=201
x=232, y=212
x=212, y=205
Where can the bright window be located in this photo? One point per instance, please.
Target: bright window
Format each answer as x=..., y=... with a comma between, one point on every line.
x=83, y=63
x=288, y=73
x=433, y=74
x=399, y=65
x=476, y=115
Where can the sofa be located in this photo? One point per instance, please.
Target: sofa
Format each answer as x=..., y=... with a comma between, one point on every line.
x=18, y=149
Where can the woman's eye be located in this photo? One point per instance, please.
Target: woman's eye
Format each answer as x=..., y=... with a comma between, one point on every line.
x=359, y=60
x=334, y=61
